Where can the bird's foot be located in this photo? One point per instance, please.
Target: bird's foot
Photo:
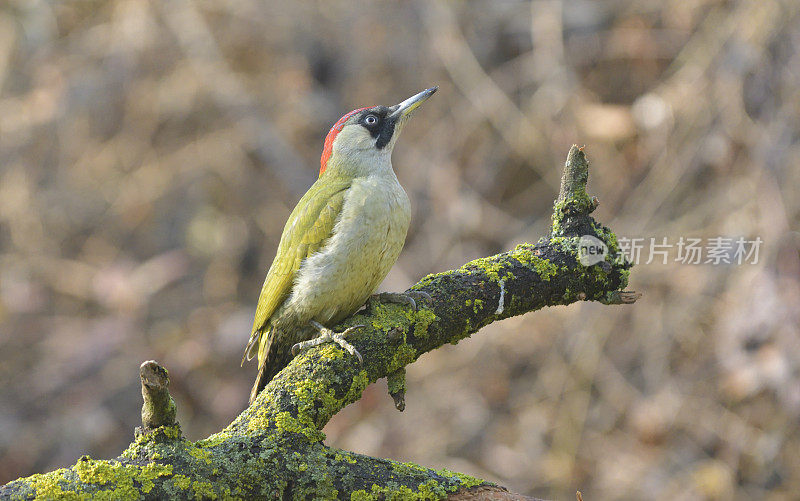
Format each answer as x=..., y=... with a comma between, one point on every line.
x=409, y=298
x=326, y=335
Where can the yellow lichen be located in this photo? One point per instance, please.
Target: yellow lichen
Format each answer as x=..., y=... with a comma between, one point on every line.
x=200, y=453
x=203, y=490
x=182, y=481
x=48, y=485
x=119, y=477
x=543, y=267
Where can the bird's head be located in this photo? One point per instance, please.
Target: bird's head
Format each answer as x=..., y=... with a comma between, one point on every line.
x=363, y=139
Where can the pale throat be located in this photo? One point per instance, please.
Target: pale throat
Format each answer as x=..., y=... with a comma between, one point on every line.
x=354, y=154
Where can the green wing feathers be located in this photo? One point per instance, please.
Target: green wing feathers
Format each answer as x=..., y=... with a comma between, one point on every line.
x=309, y=226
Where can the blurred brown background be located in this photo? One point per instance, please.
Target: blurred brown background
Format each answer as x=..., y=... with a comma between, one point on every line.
x=150, y=153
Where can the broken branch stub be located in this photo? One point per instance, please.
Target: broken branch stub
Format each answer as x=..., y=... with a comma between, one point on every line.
x=158, y=408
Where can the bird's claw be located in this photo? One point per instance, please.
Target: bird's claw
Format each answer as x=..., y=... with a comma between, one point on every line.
x=326, y=335
x=419, y=296
x=409, y=298
x=338, y=338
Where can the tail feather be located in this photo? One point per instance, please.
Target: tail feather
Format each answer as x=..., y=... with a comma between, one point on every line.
x=269, y=366
x=261, y=382
x=252, y=347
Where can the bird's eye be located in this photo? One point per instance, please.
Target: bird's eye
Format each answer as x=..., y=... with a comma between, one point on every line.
x=371, y=120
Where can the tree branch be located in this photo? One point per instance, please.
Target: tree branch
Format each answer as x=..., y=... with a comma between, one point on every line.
x=274, y=448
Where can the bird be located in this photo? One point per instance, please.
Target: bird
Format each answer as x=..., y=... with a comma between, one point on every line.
x=339, y=242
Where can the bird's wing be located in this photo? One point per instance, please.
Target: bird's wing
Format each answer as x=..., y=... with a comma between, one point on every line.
x=308, y=228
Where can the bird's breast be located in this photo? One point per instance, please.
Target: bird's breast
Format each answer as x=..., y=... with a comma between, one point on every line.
x=366, y=241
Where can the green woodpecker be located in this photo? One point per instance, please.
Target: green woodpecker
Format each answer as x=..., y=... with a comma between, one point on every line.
x=339, y=242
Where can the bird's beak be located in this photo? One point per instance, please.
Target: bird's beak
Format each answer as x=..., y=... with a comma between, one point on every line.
x=404, y=109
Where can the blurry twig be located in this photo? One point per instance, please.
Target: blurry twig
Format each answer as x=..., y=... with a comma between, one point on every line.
x=687, y=79
x=466, y=72
x=221, y=82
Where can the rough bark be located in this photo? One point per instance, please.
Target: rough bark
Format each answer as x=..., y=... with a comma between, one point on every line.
x=275, y=449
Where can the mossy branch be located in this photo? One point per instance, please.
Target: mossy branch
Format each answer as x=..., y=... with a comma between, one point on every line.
x=159, y=407
x=274, y=448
